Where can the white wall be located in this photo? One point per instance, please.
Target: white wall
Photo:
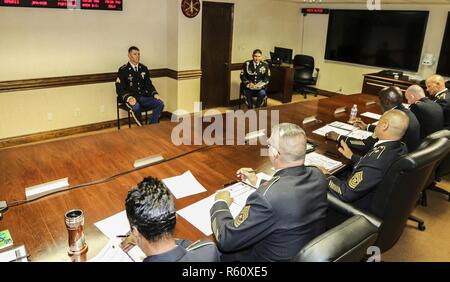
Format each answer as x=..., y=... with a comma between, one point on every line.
x=349, y=77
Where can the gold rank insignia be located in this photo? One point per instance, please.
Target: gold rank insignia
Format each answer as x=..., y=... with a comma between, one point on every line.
x=356, y=179
x=118, y=80
x=334, y=187
x=243, y=215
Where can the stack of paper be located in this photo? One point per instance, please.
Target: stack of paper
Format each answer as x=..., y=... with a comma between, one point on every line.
x=183, y=185
x=320, y=160
x=198, y=213
x=18, y=254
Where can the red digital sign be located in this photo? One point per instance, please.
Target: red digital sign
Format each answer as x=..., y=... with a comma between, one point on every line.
x=315, y=11
x=66, y=4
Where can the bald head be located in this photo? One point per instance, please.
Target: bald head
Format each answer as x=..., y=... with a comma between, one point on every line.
x=392, y=125
x=414, y=93
x=390, y=97
x=435, y=84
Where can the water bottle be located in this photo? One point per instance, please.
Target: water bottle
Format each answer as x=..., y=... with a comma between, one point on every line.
x=353, y=113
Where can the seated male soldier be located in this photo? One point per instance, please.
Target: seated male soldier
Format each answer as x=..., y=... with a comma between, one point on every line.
x=367, y=171
x=151, y=212
x=283, y=214
x=390, y=98
x=429, y=114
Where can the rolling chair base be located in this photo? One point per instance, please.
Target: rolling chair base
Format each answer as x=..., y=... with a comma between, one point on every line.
x=420, y=222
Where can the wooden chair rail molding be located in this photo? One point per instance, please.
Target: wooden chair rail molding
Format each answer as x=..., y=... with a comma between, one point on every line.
x=51, y=82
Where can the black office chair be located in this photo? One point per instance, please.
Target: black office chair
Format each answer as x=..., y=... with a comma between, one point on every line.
x=396, y=196
x=347, y=242
x=304, y=77
x=122, y=106
x=442, y=168
x=243, y=98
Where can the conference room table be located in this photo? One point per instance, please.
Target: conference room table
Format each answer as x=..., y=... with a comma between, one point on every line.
x=39, y=224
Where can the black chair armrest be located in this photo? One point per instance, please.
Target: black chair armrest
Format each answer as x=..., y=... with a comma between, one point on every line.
x=348, y=210
x=347, y=242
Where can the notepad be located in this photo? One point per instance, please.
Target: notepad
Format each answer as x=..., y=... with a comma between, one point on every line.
x=5, y=239
x=198, y=215
x=183, y=185
x=112, y=252
x=317, y=159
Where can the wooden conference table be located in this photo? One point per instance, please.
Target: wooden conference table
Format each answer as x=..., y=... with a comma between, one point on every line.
x=39, y=225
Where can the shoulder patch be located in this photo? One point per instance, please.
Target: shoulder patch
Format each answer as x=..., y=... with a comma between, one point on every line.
x=242, y=217
x=356, y=179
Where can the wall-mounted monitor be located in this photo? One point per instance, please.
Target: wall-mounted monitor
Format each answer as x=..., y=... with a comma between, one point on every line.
x=443, y=67
x=387, y=39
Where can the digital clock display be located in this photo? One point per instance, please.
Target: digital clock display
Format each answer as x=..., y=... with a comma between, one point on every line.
x=315, y=11
x=115, y=5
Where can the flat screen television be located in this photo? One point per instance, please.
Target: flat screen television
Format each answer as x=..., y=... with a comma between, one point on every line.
x=387, y=39
x=443, y=67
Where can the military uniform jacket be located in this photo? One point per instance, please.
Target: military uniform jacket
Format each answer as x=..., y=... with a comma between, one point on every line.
x=278, y=219
x=186, y=251
x=443, y=99
x=260, y=73
x=411, y=138
x=430, y=116
x=134, y=83
x=367, y=173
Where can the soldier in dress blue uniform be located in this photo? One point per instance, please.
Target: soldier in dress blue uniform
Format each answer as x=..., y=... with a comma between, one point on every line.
x=440, y=94
x=136, y=90
x=429, y=114
x=255, y=76
x=390, y=98
x=283, y=214
x=151, y=212
x=367, y=171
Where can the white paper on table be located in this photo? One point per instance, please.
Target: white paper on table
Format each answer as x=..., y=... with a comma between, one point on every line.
x=343, y=125
x=14, y=255
x=327, y=128
x=360, y=134
x=198, y=215
x=183, y=185
x=371, y=115
x=112, y=252
x=114, y=225
x=317, y=159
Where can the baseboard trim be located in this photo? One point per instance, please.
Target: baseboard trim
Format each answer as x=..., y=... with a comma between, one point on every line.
x=47, y=135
